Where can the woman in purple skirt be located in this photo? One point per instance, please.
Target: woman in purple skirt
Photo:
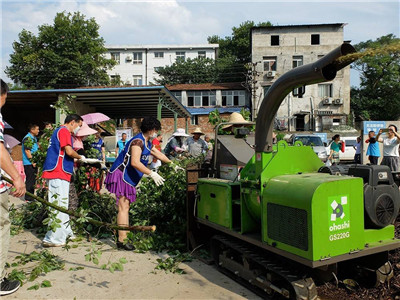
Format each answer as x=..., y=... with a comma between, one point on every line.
x=128, y=169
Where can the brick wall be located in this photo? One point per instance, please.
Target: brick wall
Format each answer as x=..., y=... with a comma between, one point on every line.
x=167, y=125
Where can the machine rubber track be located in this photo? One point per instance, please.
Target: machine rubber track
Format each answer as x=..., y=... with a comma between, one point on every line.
x=268, y=277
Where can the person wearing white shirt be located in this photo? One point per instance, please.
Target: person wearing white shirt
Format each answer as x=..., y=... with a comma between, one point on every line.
x=390, y=148
x=357, y=147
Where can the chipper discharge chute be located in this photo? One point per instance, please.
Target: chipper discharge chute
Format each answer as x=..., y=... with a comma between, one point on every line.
x=283, y=222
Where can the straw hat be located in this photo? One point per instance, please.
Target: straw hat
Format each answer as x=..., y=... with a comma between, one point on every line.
x=180, y=132
x=235, y=118
x=85, y=130
x=197, y=130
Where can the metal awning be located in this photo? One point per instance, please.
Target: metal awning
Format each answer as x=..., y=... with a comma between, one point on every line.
x=115, y=102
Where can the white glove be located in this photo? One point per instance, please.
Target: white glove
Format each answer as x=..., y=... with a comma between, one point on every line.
x=177, y=168
x=82, y=159
x=157, y=178
x=179, y=149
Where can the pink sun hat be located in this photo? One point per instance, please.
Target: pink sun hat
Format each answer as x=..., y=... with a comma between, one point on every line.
x=85, y=130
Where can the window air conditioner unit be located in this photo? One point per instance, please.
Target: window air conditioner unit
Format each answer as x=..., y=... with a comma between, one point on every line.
x=128, y=58
x=338, y=101
x=271, y=73
x=327, y=101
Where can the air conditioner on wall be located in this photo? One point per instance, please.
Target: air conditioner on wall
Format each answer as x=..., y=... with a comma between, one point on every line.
x=128, y=58
x=338, y=101
x=271, y=73
x=327, y=101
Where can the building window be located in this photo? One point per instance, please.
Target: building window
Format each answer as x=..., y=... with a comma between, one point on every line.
x=158, y=69
x=158, y=54
x=201, y=54
x=274, y=40
x=299, y=92
x=269, y=63
x=336, y=122
x=137, y=58
x=233, y=98
x=115, y=56
x=137, y=80
x=180, y=55
x=190, y=101
x=297, y=61
x=202, y=98
x=178, y=95
x=315, y=39
x=325, y=90
x=194, y=120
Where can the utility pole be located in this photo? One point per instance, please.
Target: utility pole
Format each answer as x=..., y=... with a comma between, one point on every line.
x=251, y=86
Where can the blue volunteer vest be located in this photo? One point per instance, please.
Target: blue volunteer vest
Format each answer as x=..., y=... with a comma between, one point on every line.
x=373, y=149
x=26, y=161
x=121, y=146
x=130, y=175
x=97, y=146
x=54, y=151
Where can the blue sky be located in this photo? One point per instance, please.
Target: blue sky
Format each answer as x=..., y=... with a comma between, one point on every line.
x=191, y=22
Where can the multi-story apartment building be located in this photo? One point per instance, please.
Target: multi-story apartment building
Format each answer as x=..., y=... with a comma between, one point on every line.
x=137, y=65
x=278, y=49
x=201, y=99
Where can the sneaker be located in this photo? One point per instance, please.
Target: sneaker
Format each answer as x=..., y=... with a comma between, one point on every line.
x=73, y=238
x=48, y=245
x=127, y=246
x=9, y=286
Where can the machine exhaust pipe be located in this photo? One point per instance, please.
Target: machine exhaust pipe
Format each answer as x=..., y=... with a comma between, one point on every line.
x=322, y=70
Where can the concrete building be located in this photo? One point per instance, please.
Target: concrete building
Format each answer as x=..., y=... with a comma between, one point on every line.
x=137, y=64
x=201, y=99
x=278, y=49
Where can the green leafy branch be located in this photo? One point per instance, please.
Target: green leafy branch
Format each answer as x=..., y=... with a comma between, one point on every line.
x=87, y=219
x=171, y=263
x=46, y=262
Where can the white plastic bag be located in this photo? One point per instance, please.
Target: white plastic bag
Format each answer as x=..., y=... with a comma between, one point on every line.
x=328, y=163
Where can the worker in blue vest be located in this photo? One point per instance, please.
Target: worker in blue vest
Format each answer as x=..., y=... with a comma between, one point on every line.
x=128, y=169
x=30, y=146
x=57, y=169
x=120, y=145
x=98, y=144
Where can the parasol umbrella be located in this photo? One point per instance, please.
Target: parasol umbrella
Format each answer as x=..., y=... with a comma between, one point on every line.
x=85, y=130
x=94, y=118
x=10, y=141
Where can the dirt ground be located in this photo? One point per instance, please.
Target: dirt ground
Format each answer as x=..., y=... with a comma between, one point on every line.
x=138, y=280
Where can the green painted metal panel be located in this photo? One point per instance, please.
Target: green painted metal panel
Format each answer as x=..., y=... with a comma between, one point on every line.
x=284, y=160
x=375, y=235
x=159, y=108
x=215, y=201
x=315, y=195
x=175, y=121
x=338, y=217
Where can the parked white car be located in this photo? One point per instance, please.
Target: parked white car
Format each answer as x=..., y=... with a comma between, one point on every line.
x=311, y=140
x=349, y=150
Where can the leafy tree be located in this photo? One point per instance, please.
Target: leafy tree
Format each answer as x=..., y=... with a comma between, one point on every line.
x=197, y=70
x=237, y=45
x=378, y=97
x=67, y=54
x=235, y=51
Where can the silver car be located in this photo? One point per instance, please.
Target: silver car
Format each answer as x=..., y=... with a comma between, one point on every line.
x=314, y=141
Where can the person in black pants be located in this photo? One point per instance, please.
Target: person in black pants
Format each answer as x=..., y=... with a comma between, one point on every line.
x=30, y=146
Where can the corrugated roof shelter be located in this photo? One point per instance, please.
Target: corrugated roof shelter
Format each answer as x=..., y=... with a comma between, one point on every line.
x=33, y=106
